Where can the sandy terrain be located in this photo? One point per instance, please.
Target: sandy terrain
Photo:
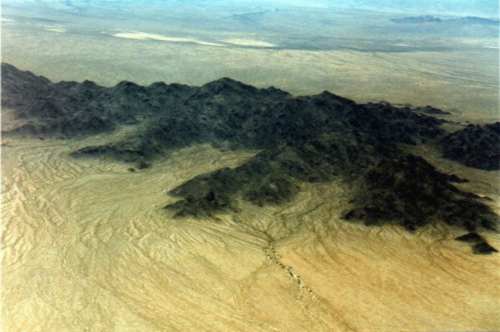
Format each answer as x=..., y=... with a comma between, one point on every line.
x=152, y=36
x=55, y=28
x=87, y=247
x=157, y=37
x=248, y=42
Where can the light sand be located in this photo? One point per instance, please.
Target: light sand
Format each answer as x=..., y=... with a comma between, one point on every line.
x=249, y=42
x=87, y=247
x=55, y=28
x=157, y=37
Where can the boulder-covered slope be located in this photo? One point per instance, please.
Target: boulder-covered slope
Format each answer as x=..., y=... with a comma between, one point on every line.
x=474, y=146
x=224, y=110
x=68, y=109
x=316, y=138
x=411, y=192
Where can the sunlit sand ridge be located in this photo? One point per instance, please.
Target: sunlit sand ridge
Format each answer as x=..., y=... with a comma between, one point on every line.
x=88, y=247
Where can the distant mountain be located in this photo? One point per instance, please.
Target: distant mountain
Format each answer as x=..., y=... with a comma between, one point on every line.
x=427, y=7
x=455, y=20
x=444, y=7
x=306, y=139
x=478, y=20
x=417, y=19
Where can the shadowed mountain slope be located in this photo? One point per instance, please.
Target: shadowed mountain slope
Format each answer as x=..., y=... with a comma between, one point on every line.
x=474, y=146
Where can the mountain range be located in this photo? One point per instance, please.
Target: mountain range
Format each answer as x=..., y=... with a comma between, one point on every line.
x=306, y=139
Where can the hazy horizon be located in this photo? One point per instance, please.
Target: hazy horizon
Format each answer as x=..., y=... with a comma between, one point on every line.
x=487, y=8
x=324, y=46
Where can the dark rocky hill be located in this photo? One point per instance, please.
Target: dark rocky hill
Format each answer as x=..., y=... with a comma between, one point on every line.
x=68, y=109
x=474, y=146
x=411, y=192
x=315, y=138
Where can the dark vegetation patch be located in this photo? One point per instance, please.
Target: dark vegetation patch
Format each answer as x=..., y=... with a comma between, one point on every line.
x=302, y=139
x=474, y=146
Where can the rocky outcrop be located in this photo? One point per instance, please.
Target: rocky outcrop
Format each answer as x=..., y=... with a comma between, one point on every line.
x=172, y=116
x=483, y=248
x=478, y=243
x=68, y=109
x=272, y=176
x=410, y=192
x=304, y=139
x=474, y=146
x=431, y=110
x=471, y=237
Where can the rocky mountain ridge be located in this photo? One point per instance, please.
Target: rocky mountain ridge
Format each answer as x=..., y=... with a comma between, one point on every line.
x=302, y=139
